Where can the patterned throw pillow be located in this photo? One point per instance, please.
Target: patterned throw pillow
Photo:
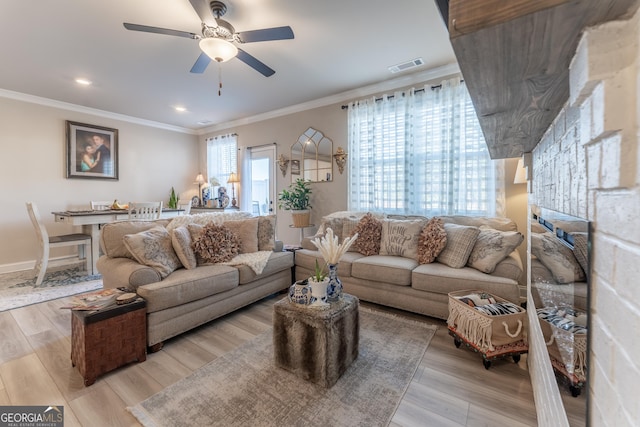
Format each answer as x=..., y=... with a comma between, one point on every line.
x=181, y=241
x=460, y=242
x=557, y=257
x=214, y=243
x=369, y=231
x=400, y=237
x=492, y=246
x=432, y=241
x=153, y=248
x=266, y=233
x=580, y=250
x=247, y=232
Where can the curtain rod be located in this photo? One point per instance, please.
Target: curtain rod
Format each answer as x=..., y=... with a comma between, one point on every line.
x=263, y=145
x=346, y=107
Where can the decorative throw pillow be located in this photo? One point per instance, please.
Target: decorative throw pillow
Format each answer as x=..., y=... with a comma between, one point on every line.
x=431, y=241
x=349, y=229
x=214, y=243
x=369, y=231
x=460, y=242
x=580, y=250
x=247, y=232
x=181, y=241
x=557, y=257
x=153, y=248
x=492, y=246
x=266, y=233
x=400, y=237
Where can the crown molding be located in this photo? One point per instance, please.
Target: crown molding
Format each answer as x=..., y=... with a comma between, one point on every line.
x=403, y=81
x=18, y=96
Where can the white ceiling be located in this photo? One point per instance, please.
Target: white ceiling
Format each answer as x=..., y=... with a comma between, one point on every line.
x=339, y=46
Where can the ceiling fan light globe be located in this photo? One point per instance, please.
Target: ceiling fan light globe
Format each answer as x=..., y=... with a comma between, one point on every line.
x=217, y=49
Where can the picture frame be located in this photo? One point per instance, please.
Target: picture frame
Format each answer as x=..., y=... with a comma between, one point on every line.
x=295, y=167
x=91, y=151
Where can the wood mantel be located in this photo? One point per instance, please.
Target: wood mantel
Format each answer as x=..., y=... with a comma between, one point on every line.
x=514, y=57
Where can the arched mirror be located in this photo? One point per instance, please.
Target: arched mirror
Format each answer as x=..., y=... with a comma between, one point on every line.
x=311, y=157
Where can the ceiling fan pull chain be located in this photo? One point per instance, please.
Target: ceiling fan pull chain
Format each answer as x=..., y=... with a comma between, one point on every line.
x=219, y=79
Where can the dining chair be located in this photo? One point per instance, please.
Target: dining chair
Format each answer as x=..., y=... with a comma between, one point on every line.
x=145, y=210
x=83, y=241
x=186, y=206
x=100, y=205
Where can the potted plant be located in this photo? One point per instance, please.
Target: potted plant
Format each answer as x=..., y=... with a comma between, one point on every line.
x=296, y=199
x=319, y=282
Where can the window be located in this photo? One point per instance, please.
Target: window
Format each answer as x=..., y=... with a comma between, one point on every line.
x=222, y=157
x=422, y=152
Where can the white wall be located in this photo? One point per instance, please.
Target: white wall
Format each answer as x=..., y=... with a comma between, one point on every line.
x=588, y=165
x=32, y=168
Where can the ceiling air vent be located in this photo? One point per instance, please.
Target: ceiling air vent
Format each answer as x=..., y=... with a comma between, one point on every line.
x=406, y=65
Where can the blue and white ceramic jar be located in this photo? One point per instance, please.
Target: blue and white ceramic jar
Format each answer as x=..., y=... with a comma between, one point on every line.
x=300, y=293
x=334, y=289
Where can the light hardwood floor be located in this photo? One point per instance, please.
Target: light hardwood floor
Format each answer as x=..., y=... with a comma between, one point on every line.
x=450, y=388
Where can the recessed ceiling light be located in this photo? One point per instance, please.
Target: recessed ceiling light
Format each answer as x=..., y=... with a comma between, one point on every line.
x=179, y=108
x=82, y=81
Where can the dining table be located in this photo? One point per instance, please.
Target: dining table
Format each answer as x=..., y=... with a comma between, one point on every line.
x=91, y=220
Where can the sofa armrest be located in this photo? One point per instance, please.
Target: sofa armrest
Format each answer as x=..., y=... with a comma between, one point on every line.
x=510, y=267
x=117, y=272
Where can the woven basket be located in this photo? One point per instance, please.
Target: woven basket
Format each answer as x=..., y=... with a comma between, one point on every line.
x=301, y=218
x=485, y=331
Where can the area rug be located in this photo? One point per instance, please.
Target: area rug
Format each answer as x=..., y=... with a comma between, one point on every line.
x=245, y=388
x=16, y=289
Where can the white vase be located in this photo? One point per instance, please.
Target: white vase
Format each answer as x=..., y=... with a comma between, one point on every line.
x=319, y=293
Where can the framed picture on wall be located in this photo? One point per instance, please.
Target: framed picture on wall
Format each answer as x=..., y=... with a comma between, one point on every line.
x=92, y=151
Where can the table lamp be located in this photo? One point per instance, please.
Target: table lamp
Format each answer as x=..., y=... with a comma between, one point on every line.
x=233, y=178
x=199, y=180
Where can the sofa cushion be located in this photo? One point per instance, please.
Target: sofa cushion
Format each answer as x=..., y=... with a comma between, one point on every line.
x=460, y=242
x=112, y=235
x=491, y=247
x=369, y=231
x=557, y=257
x=511, y=267
x=213, y=243
x=247, y=232
x=432, y=240
x=184, y=286
x=182, y=244
x=439, y=278
x=400, y=237
x=497, y=223
x=153, y=248
x=266, y=233
x=394, y=270
x=207, y=218
x=278, y=261
x=307, y=259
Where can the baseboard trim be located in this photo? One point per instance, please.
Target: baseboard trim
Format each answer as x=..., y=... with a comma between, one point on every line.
x=31, y=264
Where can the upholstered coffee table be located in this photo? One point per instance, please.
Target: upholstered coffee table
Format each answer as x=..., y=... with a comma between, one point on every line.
x=317, y=345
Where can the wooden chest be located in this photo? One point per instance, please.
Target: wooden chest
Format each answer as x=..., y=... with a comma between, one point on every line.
x=104, y=340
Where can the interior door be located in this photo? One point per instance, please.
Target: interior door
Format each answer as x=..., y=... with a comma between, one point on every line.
x=263, y=182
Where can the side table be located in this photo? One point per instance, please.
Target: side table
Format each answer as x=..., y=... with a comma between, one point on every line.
x=316, y=345
x=104, y=340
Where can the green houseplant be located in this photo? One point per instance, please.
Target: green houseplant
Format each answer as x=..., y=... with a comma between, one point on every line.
x=296, y=199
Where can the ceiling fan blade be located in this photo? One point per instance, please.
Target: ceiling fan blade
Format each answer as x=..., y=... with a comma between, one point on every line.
x=203, y=10
x=254, y=63
x=201, y=63
x=158, y=30
x=266, y=34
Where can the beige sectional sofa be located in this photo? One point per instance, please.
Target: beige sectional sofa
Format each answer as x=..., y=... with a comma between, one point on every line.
x=180, y=298
x=402, y=282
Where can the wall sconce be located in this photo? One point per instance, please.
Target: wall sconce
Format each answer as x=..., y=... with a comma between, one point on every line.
x=283, y=163
x=341, y=159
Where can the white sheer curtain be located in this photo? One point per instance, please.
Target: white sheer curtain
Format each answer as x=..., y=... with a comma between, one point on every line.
x=422, y=152
x=222, y=159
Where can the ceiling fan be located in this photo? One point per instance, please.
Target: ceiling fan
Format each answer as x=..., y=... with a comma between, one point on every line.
x=218, y=37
